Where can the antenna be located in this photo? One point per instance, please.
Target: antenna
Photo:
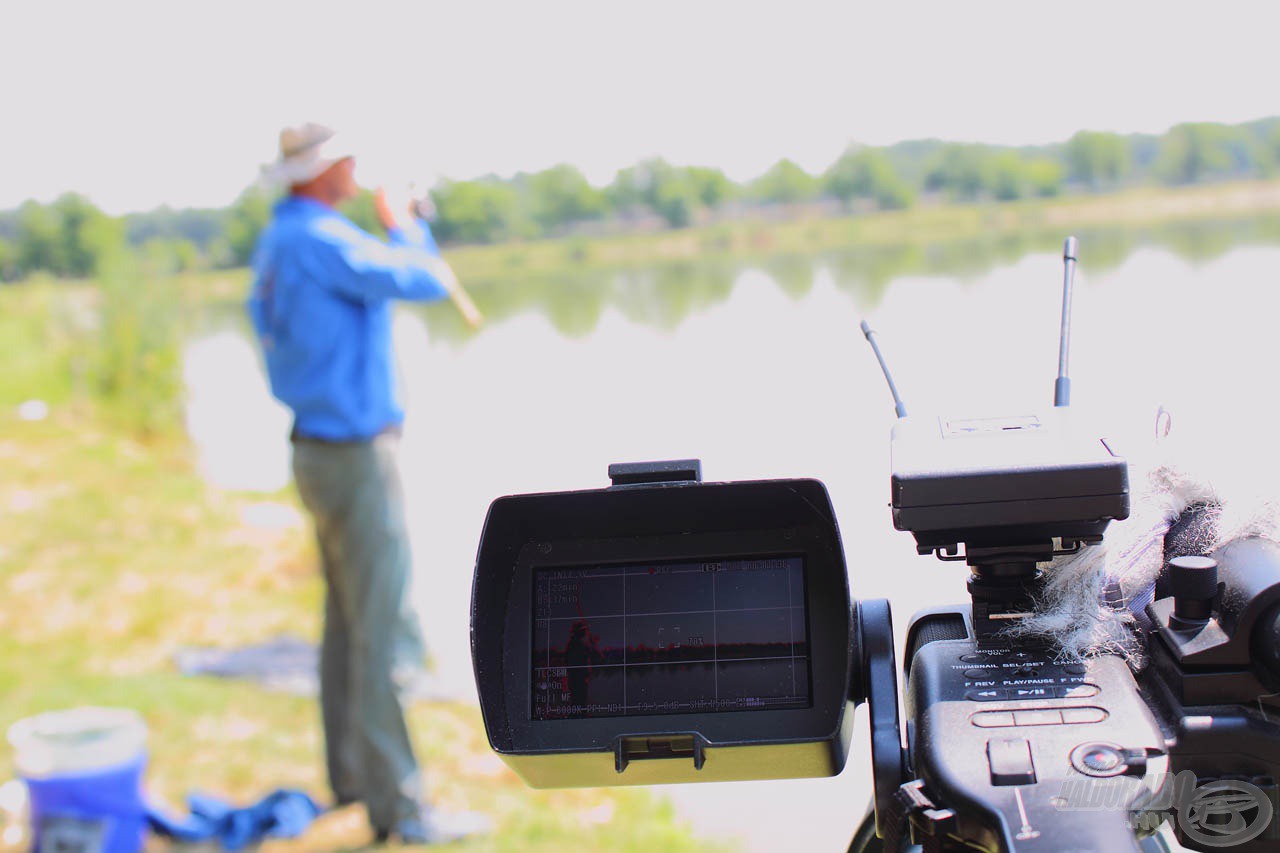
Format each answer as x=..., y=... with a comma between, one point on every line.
x=1062, y=386
x=898, y=405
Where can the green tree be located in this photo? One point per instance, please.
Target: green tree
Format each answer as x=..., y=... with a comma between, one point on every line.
x=674, y=193
x=846, y=179
x=711, y=186
x=961, y=170
x=1098, y=159
x=1249, y=155
x=69, y=237
x=1044, y=176
x=39, y=239
x=9, y=270
x=867, y=173
x=249, y=214
x=87, y=234
x=1198, y=151
x=1270, y=144
x=784, y=183
x=561, y=195
x=676, y=201
x=635, y=186
x=202, y=226
x=894, y=194
x=475, y=211
x=1006, y=176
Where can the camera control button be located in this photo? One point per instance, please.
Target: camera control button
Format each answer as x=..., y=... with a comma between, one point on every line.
x=1031, y=693
x=1077, y=691
x=1073, y=716
x=1075, y=669
x=991, y=694
x=980, y=673
x=1037, y=718
x=974, y=658
x=1010, y=760
x=1103, y=760
x=992, y=719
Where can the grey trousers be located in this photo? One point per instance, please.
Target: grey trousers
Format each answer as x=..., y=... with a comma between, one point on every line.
x=354, y=495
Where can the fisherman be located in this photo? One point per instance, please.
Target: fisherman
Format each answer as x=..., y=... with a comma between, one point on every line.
x=321, y=305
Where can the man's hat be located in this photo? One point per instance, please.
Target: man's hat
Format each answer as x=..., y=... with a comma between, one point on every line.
x=305, y=152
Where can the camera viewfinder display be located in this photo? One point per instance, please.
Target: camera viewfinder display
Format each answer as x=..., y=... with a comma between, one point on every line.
x=670, y=638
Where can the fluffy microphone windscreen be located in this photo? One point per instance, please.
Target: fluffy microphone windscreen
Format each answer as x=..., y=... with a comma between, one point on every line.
x=1092, y=600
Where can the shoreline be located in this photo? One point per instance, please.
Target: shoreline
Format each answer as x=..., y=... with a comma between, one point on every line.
x=758, y=236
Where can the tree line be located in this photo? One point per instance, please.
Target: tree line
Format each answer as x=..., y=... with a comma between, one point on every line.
x=70, y=237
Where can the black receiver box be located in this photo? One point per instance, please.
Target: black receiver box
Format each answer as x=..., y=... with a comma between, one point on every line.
x=1004, y=480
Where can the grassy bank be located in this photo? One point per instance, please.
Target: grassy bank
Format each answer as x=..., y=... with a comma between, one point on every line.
x=114, y=555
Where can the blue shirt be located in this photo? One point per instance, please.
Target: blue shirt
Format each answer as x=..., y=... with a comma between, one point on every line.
x=321, y=305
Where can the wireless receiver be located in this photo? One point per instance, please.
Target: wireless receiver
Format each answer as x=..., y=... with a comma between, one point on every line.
x=1013, y=490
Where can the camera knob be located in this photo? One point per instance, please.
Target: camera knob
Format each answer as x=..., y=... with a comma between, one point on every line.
x=1194, y=584
x=1104, y=760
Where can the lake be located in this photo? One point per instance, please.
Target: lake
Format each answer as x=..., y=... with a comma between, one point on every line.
x=759, y=369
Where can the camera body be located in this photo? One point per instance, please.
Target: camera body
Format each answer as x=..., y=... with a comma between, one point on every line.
x=668, y=630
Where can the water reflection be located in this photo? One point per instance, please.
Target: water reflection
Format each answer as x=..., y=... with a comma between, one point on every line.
x=665, y=294
x=235, y=424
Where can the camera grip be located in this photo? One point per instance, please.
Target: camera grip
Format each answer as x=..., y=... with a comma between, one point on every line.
x=1021, y=753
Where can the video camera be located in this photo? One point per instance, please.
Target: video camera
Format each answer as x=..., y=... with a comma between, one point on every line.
x=666, y=629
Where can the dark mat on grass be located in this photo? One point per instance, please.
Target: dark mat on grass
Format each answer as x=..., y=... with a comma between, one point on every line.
x=289, y=665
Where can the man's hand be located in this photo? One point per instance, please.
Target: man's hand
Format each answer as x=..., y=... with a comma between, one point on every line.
x=438, y=266
x=383, y=208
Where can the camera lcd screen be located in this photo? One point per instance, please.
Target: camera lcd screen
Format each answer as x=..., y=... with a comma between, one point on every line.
x=670, y=638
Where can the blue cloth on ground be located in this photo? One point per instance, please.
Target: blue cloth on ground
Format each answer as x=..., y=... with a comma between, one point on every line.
x=282, y=814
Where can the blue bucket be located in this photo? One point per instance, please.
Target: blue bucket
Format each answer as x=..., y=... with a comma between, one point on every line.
x=83, y=769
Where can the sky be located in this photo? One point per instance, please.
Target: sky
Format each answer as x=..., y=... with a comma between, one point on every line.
x=138, y=104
